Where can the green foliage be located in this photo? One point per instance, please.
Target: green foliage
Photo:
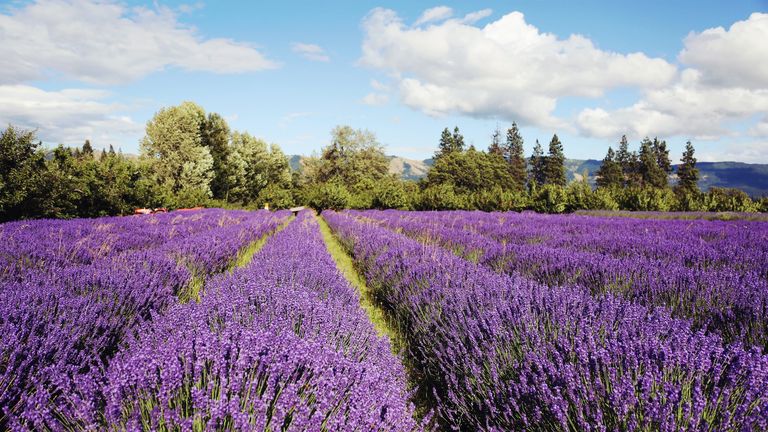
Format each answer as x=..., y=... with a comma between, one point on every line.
x=252, y=166
x=498, y=199
x=450, y=143
x=537, y=175
x=181, y=165
x=687, y=173
x=727, y=199
x=513, y=153
x=550, y=198
x=602, y=199
x=554, y=164
x=442, y=196
x=610, y=173
x=22, y=164
x=331, y=195
x=214, y=135
x=651, y=173
x=277, y=196
x=391, y=193
x=647, y=199
x=471, y=171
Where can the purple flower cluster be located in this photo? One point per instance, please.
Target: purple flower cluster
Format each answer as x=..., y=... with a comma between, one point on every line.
x=71, y=292
x=504, y=352
x=713, y=272
x=281, y=344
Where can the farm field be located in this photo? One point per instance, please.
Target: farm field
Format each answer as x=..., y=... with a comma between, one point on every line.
x=383, y=320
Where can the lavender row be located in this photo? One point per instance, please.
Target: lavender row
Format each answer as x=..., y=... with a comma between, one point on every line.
x=731, y=303
x=502, y=352
x=61, y=325
x=48, y=244
x=279, y=345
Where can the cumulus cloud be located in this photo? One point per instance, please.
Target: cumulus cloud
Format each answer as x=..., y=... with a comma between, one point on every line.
x=726, y=81
x=737, y=57
x=434, y=14
x=310, y=51
x=474, y=17
x=751, y=152
x=109, y=43
x=67, y=116
x=508, y=68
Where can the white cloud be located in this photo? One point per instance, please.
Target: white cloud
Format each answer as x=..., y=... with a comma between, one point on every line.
x=751, y=152
x=735, y=57
x=375, y=99
x=474, y=17
x=726, y=83
x=108, y=43
x=434, y=14
x=507, y=68
x=287, y=119
x=310, y=51
x=67, y=116
x=380, y=86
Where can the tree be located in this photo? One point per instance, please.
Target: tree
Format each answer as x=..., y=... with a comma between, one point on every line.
x=687, y=173
x=495, y=147
x=22, y=165
x=513, y=152
x=554, y=165
x=662, y=155
x=651, y=173
x=537, y=161
x=610, y=174
x=181, y=165
x=450, y=143
x=470, y=171
x=628, y=162
x=252, y=166
x=87, y=152
x=354, y=155
x=214, y=135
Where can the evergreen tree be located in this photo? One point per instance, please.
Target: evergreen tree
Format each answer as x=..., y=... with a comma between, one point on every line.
x=446, y=144
x=513, y=151
x=87, y=152
x=627, y=161
x=537, y=163
x=554, y=166
x=610, y=173
x=650, y=172
x=687, y=173
x=495, y=147
x=103, y=154
x=662, y=155
x=111, y=150
x=458, y=140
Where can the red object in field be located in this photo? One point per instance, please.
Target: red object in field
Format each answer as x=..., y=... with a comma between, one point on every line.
x=190, y=209
x=160, y=210
x=142, y=211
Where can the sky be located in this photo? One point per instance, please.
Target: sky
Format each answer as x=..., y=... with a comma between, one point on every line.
x=289, y=72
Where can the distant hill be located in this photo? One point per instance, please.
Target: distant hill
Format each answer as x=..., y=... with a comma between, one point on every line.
x=751, y=178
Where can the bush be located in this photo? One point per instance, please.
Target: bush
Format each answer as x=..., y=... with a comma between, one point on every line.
x=442, y=197
x=550, y=199
x=277, y=197
x=728, y=199
x=332, y=195
x=602, y=199
x=390, y=193
x=498, y=199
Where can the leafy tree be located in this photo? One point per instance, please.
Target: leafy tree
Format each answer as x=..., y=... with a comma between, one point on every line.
x=330, y=195
x=471, y=171
x=610, y=174
x=550, y=198
x=537, y=175
x=651, y=173
x=687, y=173
x=554, y=165
x=22, y=165
x=391, y=193
x=352, y=156
x=253, y=166
x=181, y=165
x=214, y=135
x=513, y=153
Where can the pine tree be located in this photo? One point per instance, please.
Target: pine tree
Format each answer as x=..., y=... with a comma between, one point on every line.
x=495, y=147
x=111, y=150
x=554, y=167
x=610, y=173
x=87, y=151
x=650, y=172
x=662, y=155
x=687, y=173
x=537, y=162
x=513, y=151
x=446, y=144
x=627, y=161
x=458, y=140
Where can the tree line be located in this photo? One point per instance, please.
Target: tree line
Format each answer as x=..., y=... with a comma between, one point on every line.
x=189, y=157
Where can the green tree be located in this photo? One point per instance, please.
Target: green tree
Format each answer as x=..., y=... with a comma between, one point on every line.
x=495, y=147
x=628, y=162
x=253, y=166
x=22, y=166
x=651, y=173
x=513, y=153
x=554, y=165
x=181, y=165
x=450, y=143
x=537, y=175
x=214, y=135
x=471, y=171
x=662, y=155
x=687, y=173
x=610, y=174
x=87, y=151
x=353, y=156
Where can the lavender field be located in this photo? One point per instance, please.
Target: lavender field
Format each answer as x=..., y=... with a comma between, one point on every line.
x=383, y=321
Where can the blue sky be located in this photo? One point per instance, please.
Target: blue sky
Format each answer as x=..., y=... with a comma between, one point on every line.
x=290, y=71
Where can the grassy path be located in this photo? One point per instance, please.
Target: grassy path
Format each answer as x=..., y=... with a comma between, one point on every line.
x=196, y=287
x=347, y=268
